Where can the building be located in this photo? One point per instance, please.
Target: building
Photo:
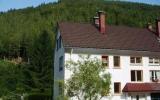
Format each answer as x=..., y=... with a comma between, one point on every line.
x=132, y=56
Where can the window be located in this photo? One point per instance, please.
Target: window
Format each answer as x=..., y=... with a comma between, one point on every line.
x=60, y=40
x=117, y=87
x=116, y=61
x=155, y=75
x=154, y=61
x=136, y=60
x=61, y=63
x=105, y=61
x=59, y=44
x=136, y=75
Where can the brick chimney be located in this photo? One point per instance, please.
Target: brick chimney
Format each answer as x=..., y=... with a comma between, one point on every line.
x=102, y=24
x=158, y=27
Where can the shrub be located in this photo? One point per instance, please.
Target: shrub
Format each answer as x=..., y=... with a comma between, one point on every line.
x=38, y=96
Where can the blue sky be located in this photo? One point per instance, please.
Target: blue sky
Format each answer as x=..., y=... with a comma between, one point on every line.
x=17, y=4
x=5, y=5
x=153, y=2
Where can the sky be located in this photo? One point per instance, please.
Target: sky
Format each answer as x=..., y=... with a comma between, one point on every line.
x=5, y=5
x=153, y=2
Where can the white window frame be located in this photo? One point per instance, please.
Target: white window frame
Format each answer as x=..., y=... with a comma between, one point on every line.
x=105, y=60
x=136, y=76
x=153, y=60
x=135, y=61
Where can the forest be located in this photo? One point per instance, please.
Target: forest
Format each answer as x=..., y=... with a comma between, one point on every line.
x=27, y=39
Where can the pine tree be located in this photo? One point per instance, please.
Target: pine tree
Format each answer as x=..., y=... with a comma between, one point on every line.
x=41, y=61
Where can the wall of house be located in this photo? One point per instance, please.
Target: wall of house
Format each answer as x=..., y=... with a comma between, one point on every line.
x=58, y=75
x=121, y=74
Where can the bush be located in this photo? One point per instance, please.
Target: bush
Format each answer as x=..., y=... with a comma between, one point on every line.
x=39, y=96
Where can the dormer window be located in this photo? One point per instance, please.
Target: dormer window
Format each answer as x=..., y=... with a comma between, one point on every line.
x=136, y=60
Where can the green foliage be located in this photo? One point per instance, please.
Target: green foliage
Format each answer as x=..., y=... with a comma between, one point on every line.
x=89, y=80
x=41, y=60
x=38, y=96
x=11, y=80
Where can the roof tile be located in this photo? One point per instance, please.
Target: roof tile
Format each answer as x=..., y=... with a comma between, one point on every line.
x=116, y=37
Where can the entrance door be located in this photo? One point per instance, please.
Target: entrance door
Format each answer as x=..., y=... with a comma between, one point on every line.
x=155, y=96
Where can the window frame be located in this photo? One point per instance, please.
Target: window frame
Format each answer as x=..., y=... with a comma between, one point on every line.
x=154, y=75
x=59, y=43
x=119, y=62
x=119, y=88
x=136, y=76
x=105, y=57
x=135, y=60
x=61, y=63
x=154, y=61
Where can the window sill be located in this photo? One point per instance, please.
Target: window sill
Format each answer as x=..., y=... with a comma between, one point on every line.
x=154, y=64
x=136, y=81
x=136, y=64
x=116, y=67
x=117, y=94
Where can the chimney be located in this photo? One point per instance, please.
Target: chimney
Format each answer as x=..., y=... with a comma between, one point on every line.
x=158, y=27
x=102, y=24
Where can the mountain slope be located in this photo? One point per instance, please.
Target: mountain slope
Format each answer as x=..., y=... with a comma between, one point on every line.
x=25, y=24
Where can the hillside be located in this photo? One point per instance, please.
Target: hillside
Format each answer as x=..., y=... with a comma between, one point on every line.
x=25, y=24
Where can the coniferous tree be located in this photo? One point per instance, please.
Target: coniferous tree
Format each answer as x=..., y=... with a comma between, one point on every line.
x=41, y=60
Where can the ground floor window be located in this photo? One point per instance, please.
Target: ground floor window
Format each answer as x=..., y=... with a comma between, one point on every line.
x=155, y=96
x=117, y=87
x=138, y=97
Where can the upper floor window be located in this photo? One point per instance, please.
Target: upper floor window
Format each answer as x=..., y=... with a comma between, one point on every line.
x=117, y=87
x=105, y=61
x=154, y=61
x=61, y=63
x=59, y=43
x=136, y=75
x=116, y=61
x=155, y=75
x=136, y=60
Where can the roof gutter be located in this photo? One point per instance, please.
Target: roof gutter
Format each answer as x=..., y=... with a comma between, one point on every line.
x=112, y=51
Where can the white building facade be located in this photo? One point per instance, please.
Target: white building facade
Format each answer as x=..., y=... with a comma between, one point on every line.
x=134, y=69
